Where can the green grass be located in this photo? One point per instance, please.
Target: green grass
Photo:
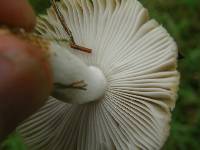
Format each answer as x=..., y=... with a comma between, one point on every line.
x=182, y=19
x=14, y=142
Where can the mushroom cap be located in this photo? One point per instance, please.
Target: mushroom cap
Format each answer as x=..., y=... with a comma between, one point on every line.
x=139, y=60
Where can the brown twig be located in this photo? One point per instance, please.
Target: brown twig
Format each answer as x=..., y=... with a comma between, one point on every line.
x=77, y=47
x=62, y=21
x=81, y=85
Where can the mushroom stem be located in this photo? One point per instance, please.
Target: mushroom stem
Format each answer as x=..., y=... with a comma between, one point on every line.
x=75, y=82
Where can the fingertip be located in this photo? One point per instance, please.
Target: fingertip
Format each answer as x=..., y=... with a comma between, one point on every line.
x=17, y=14
x=25, y=81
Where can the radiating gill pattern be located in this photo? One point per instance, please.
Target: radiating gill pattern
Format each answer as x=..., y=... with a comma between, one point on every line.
x=138, y=58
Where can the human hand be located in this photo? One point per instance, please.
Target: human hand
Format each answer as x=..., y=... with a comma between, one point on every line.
x=25, y=76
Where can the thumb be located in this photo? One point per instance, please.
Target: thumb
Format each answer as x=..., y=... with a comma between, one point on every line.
x=25, y=82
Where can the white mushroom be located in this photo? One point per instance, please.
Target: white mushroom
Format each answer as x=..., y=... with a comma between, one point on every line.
x=131, y=79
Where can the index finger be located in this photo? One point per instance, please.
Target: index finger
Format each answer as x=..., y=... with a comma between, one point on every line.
x=17, y=13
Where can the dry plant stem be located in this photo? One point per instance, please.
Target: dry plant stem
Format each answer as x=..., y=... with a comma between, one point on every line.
x=62, y=21
x=83, y=49
x=81, y=85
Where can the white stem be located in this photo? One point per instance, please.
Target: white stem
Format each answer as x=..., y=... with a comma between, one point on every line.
x=67, y=69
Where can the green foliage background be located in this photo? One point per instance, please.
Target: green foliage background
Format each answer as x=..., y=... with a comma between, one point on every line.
x=182, y=19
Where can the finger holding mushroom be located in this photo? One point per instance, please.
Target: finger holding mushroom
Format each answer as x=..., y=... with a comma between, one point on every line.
x=25, y=75
x=25, y=82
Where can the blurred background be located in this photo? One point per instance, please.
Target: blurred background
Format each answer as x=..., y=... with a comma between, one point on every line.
x=182, y=19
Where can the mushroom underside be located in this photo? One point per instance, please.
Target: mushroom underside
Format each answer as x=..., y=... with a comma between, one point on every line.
x=138, y=59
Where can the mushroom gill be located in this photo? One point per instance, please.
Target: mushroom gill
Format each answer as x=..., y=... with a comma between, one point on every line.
x=138, y=60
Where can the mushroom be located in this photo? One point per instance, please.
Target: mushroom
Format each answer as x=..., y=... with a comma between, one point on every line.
x=121, y=95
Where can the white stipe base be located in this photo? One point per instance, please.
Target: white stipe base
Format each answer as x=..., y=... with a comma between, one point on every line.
x=69, y=69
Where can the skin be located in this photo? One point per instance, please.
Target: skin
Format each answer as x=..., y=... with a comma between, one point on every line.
x=17, y=14
x=25, y=73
